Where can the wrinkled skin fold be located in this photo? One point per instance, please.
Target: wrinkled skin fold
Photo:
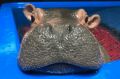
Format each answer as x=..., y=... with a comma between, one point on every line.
x=60, y=42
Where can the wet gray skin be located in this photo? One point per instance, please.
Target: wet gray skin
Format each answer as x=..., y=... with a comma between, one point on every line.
x=60, y=45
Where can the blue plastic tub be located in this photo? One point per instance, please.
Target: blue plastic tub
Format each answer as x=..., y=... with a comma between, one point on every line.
x=11, y=22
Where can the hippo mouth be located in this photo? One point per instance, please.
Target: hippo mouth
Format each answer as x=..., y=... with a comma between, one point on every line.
x=61, y=68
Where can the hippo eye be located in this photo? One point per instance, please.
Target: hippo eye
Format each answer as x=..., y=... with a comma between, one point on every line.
x=32, y=19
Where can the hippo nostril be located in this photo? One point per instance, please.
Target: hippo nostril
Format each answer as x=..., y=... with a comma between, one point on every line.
x=50, y=28
x=69, y=28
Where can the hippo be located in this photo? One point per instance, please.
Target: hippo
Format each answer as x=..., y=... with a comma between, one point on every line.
x=60, y=42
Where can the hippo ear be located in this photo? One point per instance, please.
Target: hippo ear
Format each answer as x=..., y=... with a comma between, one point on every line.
x=28, y=11
x=93, y=21
x=33, y=14
x=81, y=16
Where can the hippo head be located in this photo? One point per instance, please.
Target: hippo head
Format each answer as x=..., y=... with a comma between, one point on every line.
x=60, y=42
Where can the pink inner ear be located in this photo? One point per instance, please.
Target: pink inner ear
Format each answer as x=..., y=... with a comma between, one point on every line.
x=93, y=21
x=93, y=25
x=29, y=8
